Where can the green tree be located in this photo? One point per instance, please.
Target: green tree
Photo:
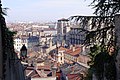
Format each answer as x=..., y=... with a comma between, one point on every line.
x=106, y=7
x=7, y=41
x=101, y=32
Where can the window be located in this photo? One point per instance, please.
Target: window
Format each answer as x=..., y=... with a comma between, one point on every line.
x=61, y=58
x=61, y=54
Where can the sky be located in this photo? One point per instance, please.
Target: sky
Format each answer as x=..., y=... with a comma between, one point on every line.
x=45, y=10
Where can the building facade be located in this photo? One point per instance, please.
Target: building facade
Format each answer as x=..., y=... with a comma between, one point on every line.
x=77, y=36
x=62, y=29
x=17, y=43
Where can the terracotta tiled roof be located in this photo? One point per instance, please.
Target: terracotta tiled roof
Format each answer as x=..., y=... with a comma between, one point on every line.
x=74, y=77
x=71, y=52
x=34, y=72
x=47, y=72
x=32, y=54
x=39, y=60
x=46, y=67
x=37, y=73
x=74, y=53
x=28, y=71
x=30, y=68
x=62, y=48
x=35, y=76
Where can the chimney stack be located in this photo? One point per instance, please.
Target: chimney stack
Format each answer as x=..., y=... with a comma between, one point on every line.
x=54, y=69
x=63, y=42
x=71, y=46
x=73, y=49
x=50, y=43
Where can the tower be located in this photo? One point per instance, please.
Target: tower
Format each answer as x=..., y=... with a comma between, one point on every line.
x=62, y=25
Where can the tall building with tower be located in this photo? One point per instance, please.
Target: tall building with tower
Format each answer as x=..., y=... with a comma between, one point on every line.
x=63, y=28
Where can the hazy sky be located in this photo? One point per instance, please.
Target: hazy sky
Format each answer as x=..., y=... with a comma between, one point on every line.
x=45, y=10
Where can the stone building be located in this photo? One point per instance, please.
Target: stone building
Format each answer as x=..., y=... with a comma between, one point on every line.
x=63, y=27
x=77, y=36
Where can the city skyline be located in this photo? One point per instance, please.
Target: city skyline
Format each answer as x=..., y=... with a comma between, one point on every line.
x=45, y=10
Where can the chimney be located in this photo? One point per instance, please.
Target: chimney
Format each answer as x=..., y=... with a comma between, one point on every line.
x=42, y=33
x=42, y=70
x=73, y=49
x=71, y=46
x=29, y=35
x=83, y=50
x=63, y=42
x=29, y=63
x=57, y=43
x=72, y=69
x=54, y=69
x=50, y=43
x=35, y=65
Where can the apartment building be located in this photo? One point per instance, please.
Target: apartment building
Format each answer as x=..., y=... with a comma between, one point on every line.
x=77, y=35
x=29, y=42
x=17, y=43
x=32, y=41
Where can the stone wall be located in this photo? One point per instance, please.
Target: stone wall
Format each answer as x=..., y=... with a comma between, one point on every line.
x=117, y=32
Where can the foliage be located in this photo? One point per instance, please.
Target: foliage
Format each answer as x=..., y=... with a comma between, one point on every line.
x=106, y=7
x=102, y=64
x=100, y=32
x=102, y=24
x=7, y=35
x=4, y=11
x=7, y=40
x=95, y=50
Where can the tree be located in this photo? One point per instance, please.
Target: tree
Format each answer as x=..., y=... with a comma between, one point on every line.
x=7, y=41
x=102, y=25
x=106, y=7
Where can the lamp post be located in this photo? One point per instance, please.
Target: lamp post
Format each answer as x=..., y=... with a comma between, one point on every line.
x=23, y=53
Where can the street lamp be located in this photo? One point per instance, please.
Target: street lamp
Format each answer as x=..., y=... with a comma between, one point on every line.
x=23, y=52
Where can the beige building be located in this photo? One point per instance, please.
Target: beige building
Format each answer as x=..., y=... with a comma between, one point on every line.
x=72, y=54
x=60, y=56
x=68, y=55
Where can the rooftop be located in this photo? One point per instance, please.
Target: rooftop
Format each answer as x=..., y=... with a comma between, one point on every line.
x=70, y=51
x=63, y=19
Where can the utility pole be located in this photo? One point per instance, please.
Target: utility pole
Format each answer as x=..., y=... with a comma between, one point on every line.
x=1, y=53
